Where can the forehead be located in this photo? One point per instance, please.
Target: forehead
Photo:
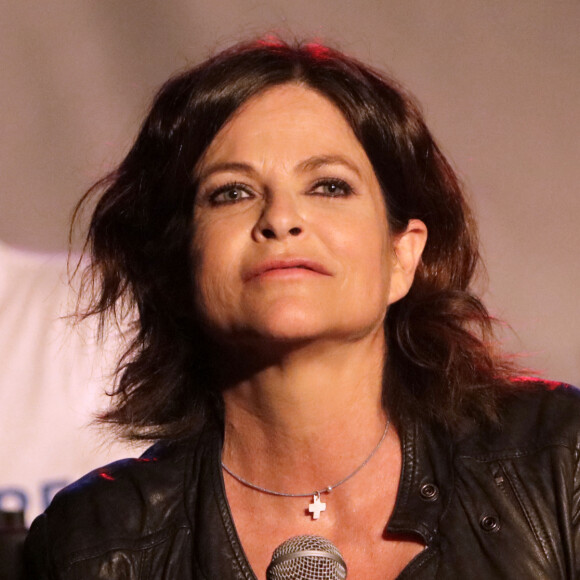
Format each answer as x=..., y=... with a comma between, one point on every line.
x=289, y=122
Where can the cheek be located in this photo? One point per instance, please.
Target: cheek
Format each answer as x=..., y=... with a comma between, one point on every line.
x=215, y=260
x=368, y=248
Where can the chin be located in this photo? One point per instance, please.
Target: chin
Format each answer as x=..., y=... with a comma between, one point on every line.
x=299, y=330
x=288, y=329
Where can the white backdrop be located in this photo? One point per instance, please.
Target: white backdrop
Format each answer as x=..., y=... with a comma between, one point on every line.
x=53, y=381
x=500, y=86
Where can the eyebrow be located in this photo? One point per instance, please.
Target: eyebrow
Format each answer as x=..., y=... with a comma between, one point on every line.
x=319, y=161
x=310, y=164
x=226, y=166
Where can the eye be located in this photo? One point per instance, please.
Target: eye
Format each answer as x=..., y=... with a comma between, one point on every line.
x=332, y=188
x=230, y=193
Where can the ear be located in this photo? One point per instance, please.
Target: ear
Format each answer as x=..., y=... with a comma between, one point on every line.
x=407, y=249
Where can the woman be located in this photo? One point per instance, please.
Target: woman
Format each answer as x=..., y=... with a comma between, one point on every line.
x=307, y=355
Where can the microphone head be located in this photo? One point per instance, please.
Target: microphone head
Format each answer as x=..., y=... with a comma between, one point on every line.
x=306, y=558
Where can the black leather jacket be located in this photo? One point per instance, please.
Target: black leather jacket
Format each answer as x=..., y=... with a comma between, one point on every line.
x=503, y=503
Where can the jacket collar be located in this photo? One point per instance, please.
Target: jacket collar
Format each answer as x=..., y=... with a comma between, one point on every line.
x=426, y=482
x=217, y=550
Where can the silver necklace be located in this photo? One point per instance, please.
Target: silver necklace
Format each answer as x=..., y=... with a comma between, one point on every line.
x=317, y=506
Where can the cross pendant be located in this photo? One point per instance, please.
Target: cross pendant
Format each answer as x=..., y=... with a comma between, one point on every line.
x=316, y=506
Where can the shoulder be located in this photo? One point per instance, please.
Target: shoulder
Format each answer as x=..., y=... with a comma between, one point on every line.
x=534, y=414
x=121, y=504
x=160, y=467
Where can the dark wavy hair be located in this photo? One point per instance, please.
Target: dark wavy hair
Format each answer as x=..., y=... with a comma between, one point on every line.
x=441, y=365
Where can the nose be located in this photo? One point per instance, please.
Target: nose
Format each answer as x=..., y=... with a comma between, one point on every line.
x=279, y=219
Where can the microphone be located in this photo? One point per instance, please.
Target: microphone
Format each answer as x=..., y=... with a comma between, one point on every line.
x=306, y=558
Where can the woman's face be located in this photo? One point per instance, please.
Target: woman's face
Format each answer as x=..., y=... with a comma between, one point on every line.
x=291, y=240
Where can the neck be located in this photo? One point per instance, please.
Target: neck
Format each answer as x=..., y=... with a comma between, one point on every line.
x=300, y=416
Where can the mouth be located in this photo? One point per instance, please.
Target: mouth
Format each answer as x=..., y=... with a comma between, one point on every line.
x=287, y=267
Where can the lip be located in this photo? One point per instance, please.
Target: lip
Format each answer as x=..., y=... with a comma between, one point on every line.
x=286, y=267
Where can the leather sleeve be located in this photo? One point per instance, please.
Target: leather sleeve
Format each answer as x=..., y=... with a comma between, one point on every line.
x=575, y=516
x=36, y=561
